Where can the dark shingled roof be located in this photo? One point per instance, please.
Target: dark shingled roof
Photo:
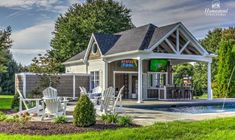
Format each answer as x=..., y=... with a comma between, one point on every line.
x=160, y=32
x=105, y=41
x=139, y=38
x=77, y=56
x=133, y=39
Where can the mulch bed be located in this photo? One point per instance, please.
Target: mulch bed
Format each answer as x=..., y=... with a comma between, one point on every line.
x=8, y=111
x=48, y=128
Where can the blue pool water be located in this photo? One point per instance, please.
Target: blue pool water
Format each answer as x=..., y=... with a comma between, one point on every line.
x=194, y=109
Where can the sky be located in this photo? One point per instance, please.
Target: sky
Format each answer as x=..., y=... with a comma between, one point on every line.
x=32, y=21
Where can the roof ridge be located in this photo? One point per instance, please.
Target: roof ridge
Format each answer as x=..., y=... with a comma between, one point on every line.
x=149, y=24
x=148, y=36
x=175, y=23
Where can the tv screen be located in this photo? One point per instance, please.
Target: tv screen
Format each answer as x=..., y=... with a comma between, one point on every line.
x=158, y=65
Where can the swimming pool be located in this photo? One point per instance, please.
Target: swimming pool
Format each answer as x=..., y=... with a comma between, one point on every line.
x=193, y=109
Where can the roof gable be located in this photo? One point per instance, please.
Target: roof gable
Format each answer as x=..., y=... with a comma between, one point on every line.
x=172, y=42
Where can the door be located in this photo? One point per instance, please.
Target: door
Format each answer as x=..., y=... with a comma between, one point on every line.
x=126, y=91
x=134, y=86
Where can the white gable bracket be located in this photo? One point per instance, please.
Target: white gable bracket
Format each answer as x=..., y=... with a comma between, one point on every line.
x=163, y=38
x=177, y=40
x=171, y=46
x=186, y=44
x=197, y=44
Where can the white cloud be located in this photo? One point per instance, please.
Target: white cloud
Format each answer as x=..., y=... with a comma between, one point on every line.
x=32, y=40
x=26, y=3
x=190, y=12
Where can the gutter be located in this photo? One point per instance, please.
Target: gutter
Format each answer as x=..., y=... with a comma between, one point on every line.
x=72, y=62
x=125, y=53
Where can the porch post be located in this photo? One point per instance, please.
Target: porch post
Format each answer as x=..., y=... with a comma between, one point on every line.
x=209, y=90
x=105, y=75
x=140, y=80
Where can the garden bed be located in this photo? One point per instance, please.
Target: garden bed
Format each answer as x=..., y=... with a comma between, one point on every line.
x=8, y=111
x=48, y=128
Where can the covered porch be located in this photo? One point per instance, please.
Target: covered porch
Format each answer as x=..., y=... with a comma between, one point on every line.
x=177, y=47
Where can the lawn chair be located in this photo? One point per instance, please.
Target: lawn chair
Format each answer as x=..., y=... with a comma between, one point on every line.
x=83, y=90
x=107, y=97
x=117, y=106
x=31, y=110
x=96, y=90
x=54, y=104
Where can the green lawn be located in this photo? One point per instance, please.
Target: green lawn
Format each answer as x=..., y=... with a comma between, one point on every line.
x=203, y=96
x=221, y=129
x=5, y=101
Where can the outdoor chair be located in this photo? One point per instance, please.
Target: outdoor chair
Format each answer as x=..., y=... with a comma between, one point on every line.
x=55, y=106
x=106, y=98
x=37, y=109
x=117, y=106
x=83, y=90
x=94, y=96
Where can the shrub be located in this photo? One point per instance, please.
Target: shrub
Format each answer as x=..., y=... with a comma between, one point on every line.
x=22, y=119
x=25, y=117
x=15, y=118
x=15, y=102
x=2, y=116
x=104, y=117
x=110, y=118
x=60, y=119
x=84, y=112
x=124, y=120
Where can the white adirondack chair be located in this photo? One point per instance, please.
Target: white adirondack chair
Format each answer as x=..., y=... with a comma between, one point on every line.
x=97, y=89
x=117, y=106
x=54, y=105
x=107, y=97
x=83, y=90
x=37, y=109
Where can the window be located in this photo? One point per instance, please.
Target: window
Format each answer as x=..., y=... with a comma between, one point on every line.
x=94, y=48
x=95, y=79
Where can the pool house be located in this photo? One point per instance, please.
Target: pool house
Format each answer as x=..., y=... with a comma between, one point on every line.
x=141, y=59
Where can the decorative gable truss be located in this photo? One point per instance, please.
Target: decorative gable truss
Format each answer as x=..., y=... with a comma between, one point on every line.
x=179, y=41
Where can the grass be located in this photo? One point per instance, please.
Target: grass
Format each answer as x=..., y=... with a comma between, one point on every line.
x=203, y=96
x=5, y=101
x=222, y=129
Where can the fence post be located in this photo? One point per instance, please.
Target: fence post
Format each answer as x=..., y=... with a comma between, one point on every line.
x=24, y=85
x=74, y=86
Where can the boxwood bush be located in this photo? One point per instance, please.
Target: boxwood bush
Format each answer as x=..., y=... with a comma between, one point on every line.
x=84, y=112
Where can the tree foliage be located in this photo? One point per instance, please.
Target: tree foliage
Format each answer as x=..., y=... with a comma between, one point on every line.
x=182, y=71
x=5, y=45
x=74, y=28
x=226, y=65
x=8, y=67
x=45, y=64
x=200, y=78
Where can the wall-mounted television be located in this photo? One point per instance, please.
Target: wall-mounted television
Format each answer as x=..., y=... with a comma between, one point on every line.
x=158, y=65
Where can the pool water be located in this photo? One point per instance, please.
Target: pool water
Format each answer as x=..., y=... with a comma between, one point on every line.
x=194, y=109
